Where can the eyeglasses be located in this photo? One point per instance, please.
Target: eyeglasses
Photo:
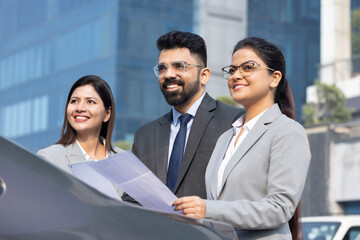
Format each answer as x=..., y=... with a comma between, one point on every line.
x=176, y=67
x=246, y=69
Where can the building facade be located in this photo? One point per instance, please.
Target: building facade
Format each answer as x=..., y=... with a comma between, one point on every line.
x=222, y=24
x=46, y=45
x=332, y=184
x=294, y=26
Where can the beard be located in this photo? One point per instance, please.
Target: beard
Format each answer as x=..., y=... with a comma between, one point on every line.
x=180, y=97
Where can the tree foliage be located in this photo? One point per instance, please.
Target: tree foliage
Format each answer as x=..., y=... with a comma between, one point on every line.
x=329, y=108
x=355, y=31
x=124, y=145
x=228, y=100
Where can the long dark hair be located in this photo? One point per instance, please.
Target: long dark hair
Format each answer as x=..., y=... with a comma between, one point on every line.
x=68, y=134
x=273, y=58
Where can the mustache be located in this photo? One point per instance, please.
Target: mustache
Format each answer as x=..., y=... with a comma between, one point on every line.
x=169, y=81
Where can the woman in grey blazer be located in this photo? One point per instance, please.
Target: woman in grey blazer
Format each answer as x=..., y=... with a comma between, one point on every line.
x=256, y=174
x=88, y=125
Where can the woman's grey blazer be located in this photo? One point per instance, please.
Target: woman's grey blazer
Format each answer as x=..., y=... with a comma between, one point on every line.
x=264, y=179
x=62, y=156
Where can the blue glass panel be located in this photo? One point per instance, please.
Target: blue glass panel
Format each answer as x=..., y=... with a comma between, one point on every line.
x=47, y=45
x=8, y=15
x=67, y=5
x=135, y=36
x=134, y=93
x=30, y=13
x=352, y=207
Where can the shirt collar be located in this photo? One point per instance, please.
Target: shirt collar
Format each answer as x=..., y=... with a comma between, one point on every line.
x=250, y=124
x=87, y=156
x=192, y=110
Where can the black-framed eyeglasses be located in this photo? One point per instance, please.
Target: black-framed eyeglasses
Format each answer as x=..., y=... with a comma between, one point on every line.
x=246, y=69
x=177, y=67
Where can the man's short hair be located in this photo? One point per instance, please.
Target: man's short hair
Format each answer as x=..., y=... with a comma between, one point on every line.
x=177, y=39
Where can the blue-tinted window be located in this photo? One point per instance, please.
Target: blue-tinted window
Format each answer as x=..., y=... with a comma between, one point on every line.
x=134, y=93
x=137, y=4
x=257, y=8
x=169, y=12
x=68, y=5
x=19, y=15
x=30, y=13
x=135, y=36
x=152, y=32
x=155, y=7
x=310, y=9
x=312, y=61
x=24, y=66
x=122, y=34
x=8, y=16
x=151, y=99
x=77, y=46
x=59, y=41
x=25, y=117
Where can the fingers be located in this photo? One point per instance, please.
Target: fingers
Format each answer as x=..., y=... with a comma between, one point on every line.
x=192, y=206
x=184, y=200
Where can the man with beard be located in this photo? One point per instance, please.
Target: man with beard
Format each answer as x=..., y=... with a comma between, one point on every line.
x=182, y=75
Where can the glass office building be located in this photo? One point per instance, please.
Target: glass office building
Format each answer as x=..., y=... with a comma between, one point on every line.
x=294, y=26
x=46, y=45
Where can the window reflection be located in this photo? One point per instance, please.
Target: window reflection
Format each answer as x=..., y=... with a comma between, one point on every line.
x=26, y=117
x=320, y=230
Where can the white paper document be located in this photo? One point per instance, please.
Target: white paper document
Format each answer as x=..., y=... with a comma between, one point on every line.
x=132, y=176
x=94, y=179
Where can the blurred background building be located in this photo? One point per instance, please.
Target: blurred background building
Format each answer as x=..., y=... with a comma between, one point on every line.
x=333, y=180
x=46, y=45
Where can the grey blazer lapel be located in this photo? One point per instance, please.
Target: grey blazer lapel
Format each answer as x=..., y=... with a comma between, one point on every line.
x=162, y=135
x=74, y=153
x=201, y=120
x=254, y=135
x=215, y=165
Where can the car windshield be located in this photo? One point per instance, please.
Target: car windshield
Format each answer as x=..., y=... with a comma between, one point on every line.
x=320, y=230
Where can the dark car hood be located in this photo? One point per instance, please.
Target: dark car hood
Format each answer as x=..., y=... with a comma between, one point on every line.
x=43, y=202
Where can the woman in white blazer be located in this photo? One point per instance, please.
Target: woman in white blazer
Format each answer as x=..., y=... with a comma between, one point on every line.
x=88, y=125
x=256, y=174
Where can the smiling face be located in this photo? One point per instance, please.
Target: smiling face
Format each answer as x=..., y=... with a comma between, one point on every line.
x=183, y=89
x=258, y=88
x=86, y=112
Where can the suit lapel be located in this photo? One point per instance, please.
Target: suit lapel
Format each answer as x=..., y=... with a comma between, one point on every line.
x=254, y=135
x=216, y=164
x=74, y=153
x=202, y=117
x=162, y=135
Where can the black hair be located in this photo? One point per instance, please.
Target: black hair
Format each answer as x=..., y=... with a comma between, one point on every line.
x=273, y=58
x=191, y=41
x=68, y=134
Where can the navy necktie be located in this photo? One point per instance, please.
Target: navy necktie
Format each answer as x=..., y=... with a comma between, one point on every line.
x=177, y=152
